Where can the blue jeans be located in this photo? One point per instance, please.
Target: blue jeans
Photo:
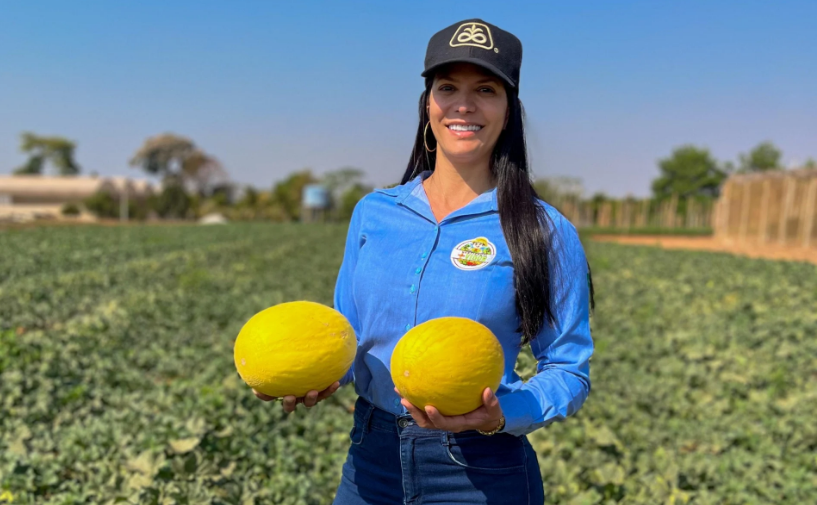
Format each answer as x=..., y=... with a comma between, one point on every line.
x=392, y=460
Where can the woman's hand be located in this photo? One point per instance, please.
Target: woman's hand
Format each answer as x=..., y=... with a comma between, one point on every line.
x=485, y=418
x=311, y=398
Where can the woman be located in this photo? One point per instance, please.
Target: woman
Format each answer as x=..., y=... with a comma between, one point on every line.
x=466, y=186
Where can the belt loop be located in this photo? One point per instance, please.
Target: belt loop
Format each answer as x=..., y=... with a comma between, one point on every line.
x=367, y=417
x=444, y=439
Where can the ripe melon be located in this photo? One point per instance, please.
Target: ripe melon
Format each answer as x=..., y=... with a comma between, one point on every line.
x=294, y=347
x=447, y=362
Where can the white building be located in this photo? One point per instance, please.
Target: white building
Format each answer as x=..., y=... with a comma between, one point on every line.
x=28, y=197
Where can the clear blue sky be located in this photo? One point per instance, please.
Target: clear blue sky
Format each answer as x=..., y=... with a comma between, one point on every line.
x=273, y=87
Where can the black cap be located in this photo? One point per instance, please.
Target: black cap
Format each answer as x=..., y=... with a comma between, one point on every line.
x=475, y=41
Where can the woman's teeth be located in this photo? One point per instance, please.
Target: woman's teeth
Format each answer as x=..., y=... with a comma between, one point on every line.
x=464, y=128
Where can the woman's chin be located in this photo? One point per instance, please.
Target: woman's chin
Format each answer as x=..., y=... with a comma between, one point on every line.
x=463, y=154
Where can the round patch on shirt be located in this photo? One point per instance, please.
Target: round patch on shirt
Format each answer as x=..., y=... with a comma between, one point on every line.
x=473, y=254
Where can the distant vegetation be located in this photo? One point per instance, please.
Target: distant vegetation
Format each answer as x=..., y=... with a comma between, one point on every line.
x=57, y=151
x=195, y=183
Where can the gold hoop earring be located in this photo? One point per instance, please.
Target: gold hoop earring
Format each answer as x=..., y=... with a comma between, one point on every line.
x=425, y=130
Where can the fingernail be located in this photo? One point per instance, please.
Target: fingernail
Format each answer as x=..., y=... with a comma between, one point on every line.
x=490, y=393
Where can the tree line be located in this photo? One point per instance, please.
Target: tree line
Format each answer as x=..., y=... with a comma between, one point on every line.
x=195, y=183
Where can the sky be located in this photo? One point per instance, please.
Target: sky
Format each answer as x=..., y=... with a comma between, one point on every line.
x=268, y=88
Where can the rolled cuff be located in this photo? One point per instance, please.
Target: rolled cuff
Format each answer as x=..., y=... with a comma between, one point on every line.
x=348, y=377
x=517, y=411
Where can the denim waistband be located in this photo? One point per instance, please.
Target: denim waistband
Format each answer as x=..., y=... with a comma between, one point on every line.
x=372, y=418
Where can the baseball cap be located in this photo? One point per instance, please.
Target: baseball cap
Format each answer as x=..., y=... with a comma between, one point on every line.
x=475, y=41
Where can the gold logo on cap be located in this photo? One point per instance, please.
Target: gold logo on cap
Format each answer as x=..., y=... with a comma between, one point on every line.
x=473, y=34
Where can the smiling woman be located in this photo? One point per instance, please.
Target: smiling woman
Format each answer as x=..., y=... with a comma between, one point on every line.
x=463, y=235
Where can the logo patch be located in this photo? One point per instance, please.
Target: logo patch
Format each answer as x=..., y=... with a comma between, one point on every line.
x=473, y=34
x=473, y=254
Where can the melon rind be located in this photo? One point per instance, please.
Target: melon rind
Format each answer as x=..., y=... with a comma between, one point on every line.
x=447, y=362
x=293, y=348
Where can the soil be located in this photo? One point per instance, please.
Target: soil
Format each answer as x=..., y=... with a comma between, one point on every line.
x=767, y=251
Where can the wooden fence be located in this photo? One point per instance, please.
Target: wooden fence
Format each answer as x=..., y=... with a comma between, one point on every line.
x=774, y=207
x=631, y=214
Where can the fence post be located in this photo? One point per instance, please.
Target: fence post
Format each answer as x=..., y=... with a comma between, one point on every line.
x=642, y=218
x=628, y=218
x=784, y=215
x=688, y=219
x=722, y=224
x=764, y=211
x=808, y=222
x=746, y=195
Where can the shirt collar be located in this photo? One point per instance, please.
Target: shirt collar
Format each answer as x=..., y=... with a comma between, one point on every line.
x=413, y=196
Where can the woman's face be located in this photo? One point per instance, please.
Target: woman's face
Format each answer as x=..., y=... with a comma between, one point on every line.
x=467, y=110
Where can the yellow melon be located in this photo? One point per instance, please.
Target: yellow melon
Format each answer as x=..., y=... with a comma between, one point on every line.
x=447, y=362
x=294, y=347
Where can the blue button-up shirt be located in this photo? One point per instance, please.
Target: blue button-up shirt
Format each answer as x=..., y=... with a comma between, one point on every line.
x=401, y=268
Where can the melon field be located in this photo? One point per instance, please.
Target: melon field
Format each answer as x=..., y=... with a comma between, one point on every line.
x=117, y=382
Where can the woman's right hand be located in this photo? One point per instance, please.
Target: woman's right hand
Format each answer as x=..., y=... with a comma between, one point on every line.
x=310, y=400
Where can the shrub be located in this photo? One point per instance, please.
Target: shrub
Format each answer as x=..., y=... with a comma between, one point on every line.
x=70, y=209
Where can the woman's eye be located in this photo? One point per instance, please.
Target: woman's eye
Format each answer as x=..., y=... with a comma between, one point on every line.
x=446, y=87
x=489, y=90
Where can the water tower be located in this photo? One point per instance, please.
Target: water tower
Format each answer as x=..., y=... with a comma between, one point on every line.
x=315, y=203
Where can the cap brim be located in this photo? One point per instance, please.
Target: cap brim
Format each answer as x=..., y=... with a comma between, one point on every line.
x=476, y=61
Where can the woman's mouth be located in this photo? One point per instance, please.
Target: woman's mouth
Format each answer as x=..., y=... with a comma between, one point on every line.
x=463, y=130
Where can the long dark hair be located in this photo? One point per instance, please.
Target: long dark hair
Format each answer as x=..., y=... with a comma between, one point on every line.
x=526, y=225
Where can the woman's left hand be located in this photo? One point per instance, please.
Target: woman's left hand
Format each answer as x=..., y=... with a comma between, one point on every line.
x=485, y=418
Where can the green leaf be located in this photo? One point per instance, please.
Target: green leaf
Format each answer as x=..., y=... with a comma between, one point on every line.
x=184, y=445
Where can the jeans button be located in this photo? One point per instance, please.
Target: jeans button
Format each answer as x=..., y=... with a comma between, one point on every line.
x=402, y=423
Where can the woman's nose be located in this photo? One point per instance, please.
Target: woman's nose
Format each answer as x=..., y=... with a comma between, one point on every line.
x=465, y=107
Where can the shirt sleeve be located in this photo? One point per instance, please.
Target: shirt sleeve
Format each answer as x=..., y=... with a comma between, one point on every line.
x=344, y=302
x=562, y=351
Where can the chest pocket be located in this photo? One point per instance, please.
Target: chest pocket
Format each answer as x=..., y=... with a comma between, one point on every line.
x=468, y=279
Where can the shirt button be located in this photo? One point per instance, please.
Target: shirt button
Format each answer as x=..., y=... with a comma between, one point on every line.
x=424, y=255
x=396, y=402
x=412, y=288
x=418, y=270
x=402, y=422
x=408, y=327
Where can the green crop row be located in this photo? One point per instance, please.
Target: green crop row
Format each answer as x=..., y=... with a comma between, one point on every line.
x=117, y=383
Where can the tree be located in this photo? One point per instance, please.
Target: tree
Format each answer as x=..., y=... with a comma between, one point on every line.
x=689, y=171
x=176, y=159
x=765, y=156
x=338, y=181
x=204, y=173
x=553, y=189
x=104, y=204
x=810, y=164
x=349, y=199
x=250, y=198
x=345, y=189
x=172, y=202
x=288, y=193
x=58, y=150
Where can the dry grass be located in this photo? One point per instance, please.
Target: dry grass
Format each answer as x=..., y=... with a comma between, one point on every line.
x=753, y=250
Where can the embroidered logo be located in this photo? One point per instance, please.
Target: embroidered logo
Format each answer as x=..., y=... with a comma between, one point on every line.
x=473, y=34
x=473, y=254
